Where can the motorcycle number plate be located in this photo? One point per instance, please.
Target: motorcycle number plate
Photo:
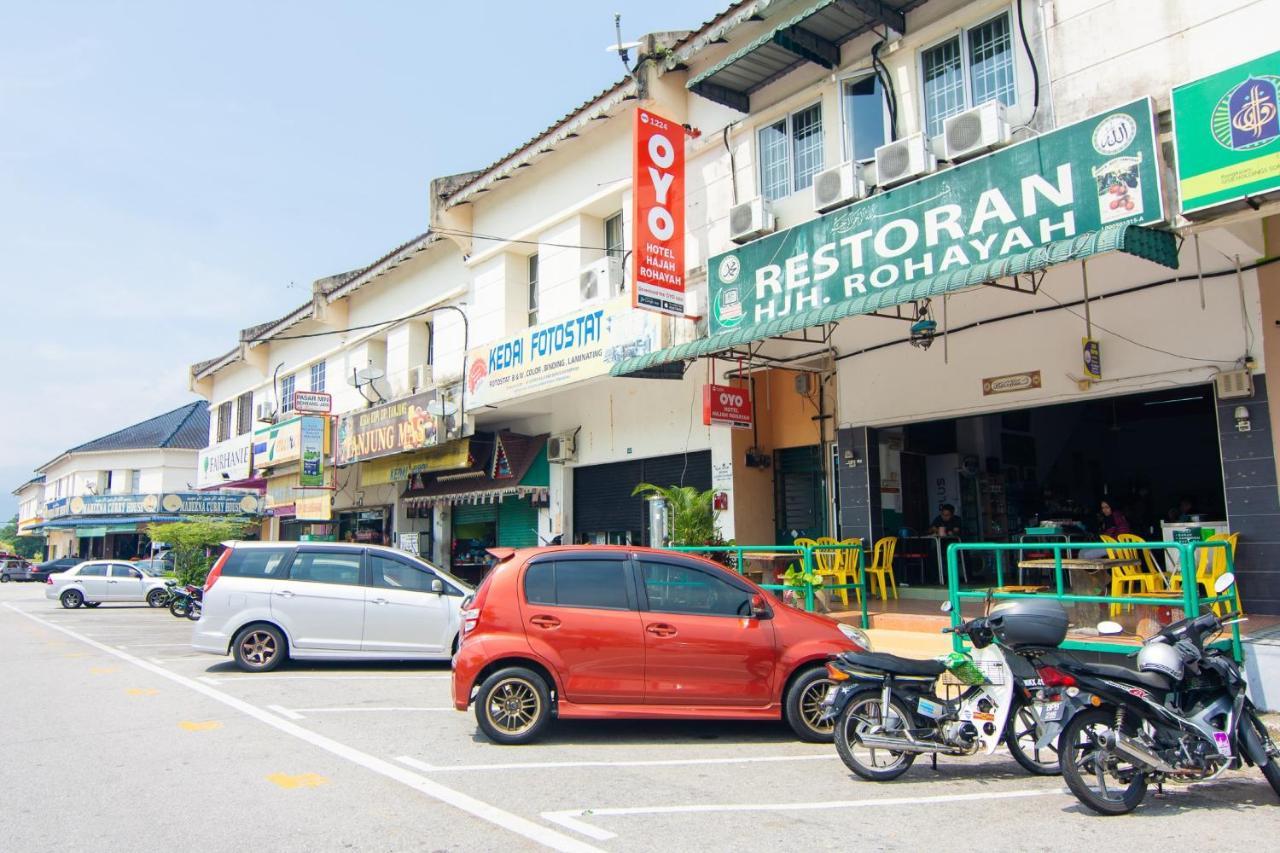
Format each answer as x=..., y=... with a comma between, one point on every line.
x=1051, y=711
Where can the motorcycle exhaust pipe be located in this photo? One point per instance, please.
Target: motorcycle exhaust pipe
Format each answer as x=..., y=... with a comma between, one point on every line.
x=902, y=745
x=1136, y=752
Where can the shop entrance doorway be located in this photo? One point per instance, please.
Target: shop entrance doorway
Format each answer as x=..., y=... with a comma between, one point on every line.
x=800, y=494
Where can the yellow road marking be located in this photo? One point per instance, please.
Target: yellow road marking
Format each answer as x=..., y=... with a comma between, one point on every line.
x=199, y=725
x=302, y=780
x=76, y=655
x=142, y=691
x=103, y=670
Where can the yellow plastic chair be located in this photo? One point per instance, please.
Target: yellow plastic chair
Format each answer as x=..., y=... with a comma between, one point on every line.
x=881, y=567
x=1211, y=563
x=826, y=563
x=851, y=567
x=1126, y=579
x=1155, y=577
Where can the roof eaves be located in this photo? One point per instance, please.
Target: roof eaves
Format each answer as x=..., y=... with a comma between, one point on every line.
x=383, y=265
x=265, y=331
x=208, y=367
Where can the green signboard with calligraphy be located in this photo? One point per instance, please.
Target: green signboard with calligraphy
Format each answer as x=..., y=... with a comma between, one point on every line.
x=1226, y=134
x=1055, y=186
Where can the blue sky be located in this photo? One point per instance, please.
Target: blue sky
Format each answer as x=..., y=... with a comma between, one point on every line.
x=173, y=172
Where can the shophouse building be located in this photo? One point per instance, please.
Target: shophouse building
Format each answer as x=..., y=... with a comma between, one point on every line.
x=941, y=246
x=99, y=499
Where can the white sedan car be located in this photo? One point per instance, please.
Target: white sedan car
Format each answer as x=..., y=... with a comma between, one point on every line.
x=97, y=581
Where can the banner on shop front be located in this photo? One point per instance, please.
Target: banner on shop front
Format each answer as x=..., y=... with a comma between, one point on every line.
x=182, y=503
x=225, y=462
x=1226, y=135
x=279, y=443
x=313, y=506
x=1073, y=180
x=404, y=425
x=396, y=469
x=657, y=244
x=312, y=437
x=578, y=346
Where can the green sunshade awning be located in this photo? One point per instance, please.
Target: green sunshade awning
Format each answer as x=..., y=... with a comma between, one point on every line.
x=1157, y=246
x=812, y=35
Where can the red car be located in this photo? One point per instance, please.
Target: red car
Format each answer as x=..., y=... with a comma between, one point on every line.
x=606, y=632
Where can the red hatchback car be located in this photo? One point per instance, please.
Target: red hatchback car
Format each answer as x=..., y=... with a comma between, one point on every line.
x=607, y=632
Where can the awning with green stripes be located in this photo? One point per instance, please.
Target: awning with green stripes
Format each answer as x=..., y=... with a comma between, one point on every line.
x=812, y=35
x=1157, y=246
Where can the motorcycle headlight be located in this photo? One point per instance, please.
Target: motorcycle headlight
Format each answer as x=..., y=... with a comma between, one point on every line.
x=857, y=635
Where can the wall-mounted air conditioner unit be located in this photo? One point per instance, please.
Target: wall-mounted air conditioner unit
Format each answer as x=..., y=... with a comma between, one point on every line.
x=838, y=186
x=264, y=411
x=419, y=377
x=977, y=131
x=561, y=448
x=1234, y=384
x=601, y=279
x=904, y=160
x=750, y=220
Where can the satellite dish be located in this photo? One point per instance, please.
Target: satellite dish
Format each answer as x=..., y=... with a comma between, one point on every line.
x=623, y=47
x=442, y=408
x=370, y=374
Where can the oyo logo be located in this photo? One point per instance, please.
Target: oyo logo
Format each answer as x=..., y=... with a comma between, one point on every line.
x=729, y=399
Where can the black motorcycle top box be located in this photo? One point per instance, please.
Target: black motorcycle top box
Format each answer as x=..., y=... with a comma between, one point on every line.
x=1024, y=622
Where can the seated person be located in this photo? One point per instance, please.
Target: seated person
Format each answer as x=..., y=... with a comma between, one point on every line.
x=946, y=523
x=1112, y=523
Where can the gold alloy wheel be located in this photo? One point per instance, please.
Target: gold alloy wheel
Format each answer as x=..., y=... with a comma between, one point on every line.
x=811, y=706
x=513, y=706
x=258, y=648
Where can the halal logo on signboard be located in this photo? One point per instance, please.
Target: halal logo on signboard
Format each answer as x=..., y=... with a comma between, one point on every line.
x=1247, y=117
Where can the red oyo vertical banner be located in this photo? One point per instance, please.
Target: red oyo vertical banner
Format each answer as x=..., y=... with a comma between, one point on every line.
x=658, y=215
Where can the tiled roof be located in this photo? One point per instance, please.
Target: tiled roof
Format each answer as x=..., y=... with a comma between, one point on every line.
x=521, y=452
x=186, y=427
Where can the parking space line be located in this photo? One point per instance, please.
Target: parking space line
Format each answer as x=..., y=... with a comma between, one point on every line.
x=225, y=679
x=572, y=818
x=552, y=765
x=493, y=815
x=358, y=710
x=285, y=712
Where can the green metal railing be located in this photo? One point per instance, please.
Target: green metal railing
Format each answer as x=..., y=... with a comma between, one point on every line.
x=805, y=559
x=1189, y=599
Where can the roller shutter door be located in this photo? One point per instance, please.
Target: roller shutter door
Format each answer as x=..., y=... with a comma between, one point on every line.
x=602, y=500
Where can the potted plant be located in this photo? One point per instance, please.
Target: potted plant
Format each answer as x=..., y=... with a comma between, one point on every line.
x=795, y=578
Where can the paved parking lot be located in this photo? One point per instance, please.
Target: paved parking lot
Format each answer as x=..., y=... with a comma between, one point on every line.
x=116, y=735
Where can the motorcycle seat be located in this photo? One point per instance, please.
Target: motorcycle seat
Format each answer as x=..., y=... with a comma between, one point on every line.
x=1149, y=680
x=892, y=663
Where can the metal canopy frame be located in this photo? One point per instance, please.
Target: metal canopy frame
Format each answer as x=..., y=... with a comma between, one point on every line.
x=814, y=35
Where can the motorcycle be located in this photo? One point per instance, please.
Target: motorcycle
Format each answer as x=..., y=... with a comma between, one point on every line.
x=185, y=601
x=887, y=710
x=1183, y=716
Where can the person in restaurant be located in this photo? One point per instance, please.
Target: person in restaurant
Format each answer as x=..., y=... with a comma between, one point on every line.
x=1112, y=523
x=946, y=522
x=1183, y=511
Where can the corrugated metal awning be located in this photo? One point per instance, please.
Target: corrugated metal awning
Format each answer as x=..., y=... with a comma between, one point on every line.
x=814, y=35
x=1157, y=246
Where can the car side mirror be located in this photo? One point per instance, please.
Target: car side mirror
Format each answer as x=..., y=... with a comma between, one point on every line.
x=759, y=609
x=437, y=586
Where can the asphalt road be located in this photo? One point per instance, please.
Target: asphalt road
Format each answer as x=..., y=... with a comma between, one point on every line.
x=114, y=735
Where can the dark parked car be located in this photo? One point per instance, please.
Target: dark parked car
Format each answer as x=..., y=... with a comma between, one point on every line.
x=41, y=571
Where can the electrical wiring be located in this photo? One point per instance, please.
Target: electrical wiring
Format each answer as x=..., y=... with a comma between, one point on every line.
x=1035, y=71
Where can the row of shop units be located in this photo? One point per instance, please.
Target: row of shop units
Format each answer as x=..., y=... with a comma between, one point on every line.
x=856, y=431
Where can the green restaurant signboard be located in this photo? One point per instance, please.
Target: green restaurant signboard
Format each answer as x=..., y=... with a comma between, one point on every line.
x=1056, y=186
x=1226, y=132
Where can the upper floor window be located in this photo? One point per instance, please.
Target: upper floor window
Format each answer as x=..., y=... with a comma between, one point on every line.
x=244, y=413
x=286, y=393
x=533, y=289
x=135, y=482
x=317, y=376
x=790, y=153
x=967, y=69
x=615, y=242
x=866, y=117
x=224, y=421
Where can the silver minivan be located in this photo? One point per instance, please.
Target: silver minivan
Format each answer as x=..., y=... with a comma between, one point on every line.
x=268, y=601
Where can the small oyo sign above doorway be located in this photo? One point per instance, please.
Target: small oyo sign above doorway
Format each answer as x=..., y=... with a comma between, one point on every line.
x=725, y=405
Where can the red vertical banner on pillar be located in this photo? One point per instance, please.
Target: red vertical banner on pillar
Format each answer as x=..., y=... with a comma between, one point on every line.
x=657, y=247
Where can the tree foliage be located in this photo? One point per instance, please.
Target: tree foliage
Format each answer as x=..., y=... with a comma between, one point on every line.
x=691, y=513
x=31, y=547
x=193, y=541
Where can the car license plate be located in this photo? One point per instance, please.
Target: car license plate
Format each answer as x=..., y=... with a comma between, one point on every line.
x=1051, y=712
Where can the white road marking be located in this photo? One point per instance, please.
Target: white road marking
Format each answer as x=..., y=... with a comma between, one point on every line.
x=348, y=710
x=572, y=819
x=157, y=661
x=477, y=808
x=285, y=712
x=156, y=645
x=547, y=765
x=224, y=679
x=206, y=679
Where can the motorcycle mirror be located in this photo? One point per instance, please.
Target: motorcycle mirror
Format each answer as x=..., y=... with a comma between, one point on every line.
x=946, y=607
x=1224, y=582
x=1110, y=628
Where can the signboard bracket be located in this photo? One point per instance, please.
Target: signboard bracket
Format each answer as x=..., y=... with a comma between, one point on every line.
x=1035, y=279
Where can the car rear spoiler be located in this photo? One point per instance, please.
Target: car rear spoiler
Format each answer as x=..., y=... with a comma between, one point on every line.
x=501, y=554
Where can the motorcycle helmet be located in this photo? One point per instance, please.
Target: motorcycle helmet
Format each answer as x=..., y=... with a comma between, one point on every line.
x=1161, y=658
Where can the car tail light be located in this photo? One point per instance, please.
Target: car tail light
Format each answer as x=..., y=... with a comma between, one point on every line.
x=472, y=606
x=1054, y=677
x=48, y=578
x=216, y=571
